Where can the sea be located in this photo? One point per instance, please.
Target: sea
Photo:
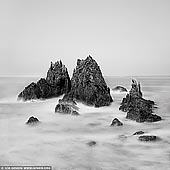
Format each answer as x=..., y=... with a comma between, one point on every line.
x=61, y=141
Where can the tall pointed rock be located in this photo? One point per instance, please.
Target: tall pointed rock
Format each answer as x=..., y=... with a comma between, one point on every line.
x=88, y=85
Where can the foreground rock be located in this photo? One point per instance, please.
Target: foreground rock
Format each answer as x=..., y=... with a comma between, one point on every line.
x=147, y=138
x=116, y=122
x=66, y=108
x=32, y=120
x=120, y=89
x=88, y=85
x=138, y=108
x=56, y=83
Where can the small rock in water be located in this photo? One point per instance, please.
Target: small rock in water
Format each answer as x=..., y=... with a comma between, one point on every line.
x=66, y=107
x=120, y=88
x=91, y=143
x=147, y=138
x=116, y=122
x=32, y=120
x=139, y=133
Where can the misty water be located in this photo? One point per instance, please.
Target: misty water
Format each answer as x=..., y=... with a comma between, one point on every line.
x=61, y=140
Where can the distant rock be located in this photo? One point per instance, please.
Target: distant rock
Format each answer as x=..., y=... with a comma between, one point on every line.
x=147, y=138
x=138, y=108
x=120, y=89
x=116, y=122
x=91, y=143
x=88, y=85
x=56, y=83
x=32, y=120
x=139, y=133
x=66, y=108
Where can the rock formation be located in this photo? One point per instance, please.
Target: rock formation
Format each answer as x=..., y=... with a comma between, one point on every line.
x=66, y=108
x=32, y=120
x=88, y=85
x=120, y=88
x=116, y=122
x=138, y=108
x=56, y=83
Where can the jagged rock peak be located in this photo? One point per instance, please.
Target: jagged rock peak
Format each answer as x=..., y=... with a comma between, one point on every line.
x=136, y=89
x=88, y=84
x=56, y=83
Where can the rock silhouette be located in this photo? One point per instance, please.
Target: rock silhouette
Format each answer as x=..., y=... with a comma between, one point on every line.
x=56, y=83
x=138, y=108
x=88, y=85
x=147, y=138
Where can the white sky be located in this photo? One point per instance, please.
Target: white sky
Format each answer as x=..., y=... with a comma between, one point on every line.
x=126, y=37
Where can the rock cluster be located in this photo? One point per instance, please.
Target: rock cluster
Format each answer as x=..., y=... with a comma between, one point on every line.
x=88, y=85
x=138, y=108
x=56, y=83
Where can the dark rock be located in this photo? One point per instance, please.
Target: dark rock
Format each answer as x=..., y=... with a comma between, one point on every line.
x=120, y=88
x=147, y=138
x=88, y=85
x=32, y=120
x=56, y=83
x=138, y=108
x=116, y=122
x=66, y=108
x=91, y=143
x=139, y=133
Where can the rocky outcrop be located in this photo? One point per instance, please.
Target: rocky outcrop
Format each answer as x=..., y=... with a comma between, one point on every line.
x=116, y=122
x=88, y=85
x=147, y=138
x=120, y=89
x=56, y=83
x=66, y=108
x=32, y=120
x=138, y=108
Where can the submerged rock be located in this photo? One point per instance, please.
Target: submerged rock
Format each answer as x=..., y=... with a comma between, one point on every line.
x=138, y=108
x=56, y=83
x=139, y=133
x=91, y=143
x=66, y=108
x=88, y=85
x=116, y=122
x=147, y=138
x=32, y=120
x=120, y=88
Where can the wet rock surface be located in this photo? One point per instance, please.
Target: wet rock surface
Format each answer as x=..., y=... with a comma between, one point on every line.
x=119, y=88
x=56, y=83
x=138, y=108
x=147, y=138
x=116, y=122
x=32, y=120
x=88, y=85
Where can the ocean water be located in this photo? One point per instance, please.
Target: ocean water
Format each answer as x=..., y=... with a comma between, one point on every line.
x=61, y=140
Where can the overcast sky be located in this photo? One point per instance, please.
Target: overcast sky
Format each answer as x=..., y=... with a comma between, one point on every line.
x=125, y=37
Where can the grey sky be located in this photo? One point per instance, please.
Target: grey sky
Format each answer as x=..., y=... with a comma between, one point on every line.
x=126, y=37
